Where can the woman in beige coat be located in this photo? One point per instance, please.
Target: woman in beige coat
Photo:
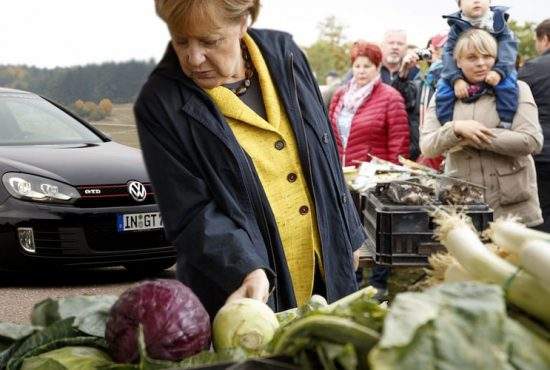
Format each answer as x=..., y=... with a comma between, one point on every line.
x=476, y=150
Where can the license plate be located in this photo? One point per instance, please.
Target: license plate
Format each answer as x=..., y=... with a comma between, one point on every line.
x=138, y=221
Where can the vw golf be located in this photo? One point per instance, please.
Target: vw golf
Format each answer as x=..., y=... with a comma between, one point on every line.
x=69, y=196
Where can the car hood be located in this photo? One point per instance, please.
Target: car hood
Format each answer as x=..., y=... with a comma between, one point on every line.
x=77, y=164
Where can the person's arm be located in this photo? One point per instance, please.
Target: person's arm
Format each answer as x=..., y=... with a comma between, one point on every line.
x=408, y=91
x=205, y=237
x=507, y=53
x=527, y=73
x=436, y=139
x=525, y=136
x=398, y=130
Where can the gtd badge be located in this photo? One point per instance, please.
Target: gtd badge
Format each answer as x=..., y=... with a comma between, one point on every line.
x=137, y=191
x=92, y=192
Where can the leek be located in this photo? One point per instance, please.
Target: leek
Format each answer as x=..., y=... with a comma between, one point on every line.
x=510, y=235
x=522, y=289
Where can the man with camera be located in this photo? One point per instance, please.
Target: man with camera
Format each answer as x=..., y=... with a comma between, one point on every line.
x=399, y=70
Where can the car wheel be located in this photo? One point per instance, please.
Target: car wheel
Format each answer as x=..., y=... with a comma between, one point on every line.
x=148, y=268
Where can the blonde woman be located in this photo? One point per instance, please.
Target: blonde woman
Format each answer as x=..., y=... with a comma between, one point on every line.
x=477, y=149
x=244, y=166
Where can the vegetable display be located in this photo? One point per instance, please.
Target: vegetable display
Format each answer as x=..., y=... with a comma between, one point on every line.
x=484, y=306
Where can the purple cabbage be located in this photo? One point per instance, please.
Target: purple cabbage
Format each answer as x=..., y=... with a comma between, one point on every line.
x=175, y=323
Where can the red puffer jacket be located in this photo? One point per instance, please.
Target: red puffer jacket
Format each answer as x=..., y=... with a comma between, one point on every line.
x=380, y=126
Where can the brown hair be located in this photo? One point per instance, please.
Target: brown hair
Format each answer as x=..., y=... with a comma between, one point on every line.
x=478, y=39
x=185, y=14
x=543, y=29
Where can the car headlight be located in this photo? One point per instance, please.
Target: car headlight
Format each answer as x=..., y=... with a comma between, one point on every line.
x=39, y=189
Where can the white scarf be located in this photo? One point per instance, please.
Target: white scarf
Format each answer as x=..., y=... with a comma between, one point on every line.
x=485, y=22
x=356, y=95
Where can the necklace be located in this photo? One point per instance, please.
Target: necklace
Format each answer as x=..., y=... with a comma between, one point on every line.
x=248, y=73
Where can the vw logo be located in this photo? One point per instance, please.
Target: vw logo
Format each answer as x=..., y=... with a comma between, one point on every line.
x=137, y=191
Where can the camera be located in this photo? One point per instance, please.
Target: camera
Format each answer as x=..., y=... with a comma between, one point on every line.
x=424, y=54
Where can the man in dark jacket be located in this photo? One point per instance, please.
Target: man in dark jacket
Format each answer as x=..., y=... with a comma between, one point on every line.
x=399, y=70
x=536, y=73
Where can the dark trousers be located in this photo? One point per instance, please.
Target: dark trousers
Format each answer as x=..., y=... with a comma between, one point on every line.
x=379, y=276
x=543, y=183
x=319, y=286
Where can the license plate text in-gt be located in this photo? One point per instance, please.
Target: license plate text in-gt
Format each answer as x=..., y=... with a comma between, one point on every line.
x=138, y=221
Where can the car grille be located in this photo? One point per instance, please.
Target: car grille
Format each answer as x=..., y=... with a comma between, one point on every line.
x=94, y=237
x=110, y=196
x=103, y=237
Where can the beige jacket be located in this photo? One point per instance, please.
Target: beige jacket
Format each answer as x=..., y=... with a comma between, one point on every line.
x=505, y=167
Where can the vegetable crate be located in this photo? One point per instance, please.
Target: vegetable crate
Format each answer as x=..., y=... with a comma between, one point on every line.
x=358, y=202
x=403, y=235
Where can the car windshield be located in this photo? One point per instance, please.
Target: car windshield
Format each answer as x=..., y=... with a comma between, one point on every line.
x=31, y=120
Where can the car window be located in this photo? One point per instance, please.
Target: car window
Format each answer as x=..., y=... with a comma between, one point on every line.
x=32, y=120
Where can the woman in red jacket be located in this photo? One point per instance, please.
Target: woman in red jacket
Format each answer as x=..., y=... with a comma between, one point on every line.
x=368, y=116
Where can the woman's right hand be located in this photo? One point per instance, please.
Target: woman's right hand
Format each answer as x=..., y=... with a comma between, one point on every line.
x=255, y=285
x=461, y=89
x=473, y=131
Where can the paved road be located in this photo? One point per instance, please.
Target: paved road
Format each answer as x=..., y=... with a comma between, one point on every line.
x=19, y=292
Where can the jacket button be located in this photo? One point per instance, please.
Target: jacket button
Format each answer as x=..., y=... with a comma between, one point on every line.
x=304, y=210
x=344, y=199
x=325, y=138
x=291, y=177
x=279, y=144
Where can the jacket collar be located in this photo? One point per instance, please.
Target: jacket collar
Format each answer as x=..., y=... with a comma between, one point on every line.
x=273, y=46
x=500, y=19
x=231, y=106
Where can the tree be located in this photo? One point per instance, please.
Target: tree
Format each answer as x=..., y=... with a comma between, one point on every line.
x=525, y=34
x=330, y=52
x=106, y=106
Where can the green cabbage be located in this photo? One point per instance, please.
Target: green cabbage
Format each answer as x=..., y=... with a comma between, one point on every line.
x=73, y=358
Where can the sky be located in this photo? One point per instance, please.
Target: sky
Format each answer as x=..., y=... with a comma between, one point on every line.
x=51, y=33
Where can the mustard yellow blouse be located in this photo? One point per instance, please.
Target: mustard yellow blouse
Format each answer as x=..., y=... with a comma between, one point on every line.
x=272, y=146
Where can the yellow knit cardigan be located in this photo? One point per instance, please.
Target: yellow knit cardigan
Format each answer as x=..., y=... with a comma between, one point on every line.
x=280, y=172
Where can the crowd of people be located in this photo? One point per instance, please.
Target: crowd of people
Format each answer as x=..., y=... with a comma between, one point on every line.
x=246, y=161
x=467, y=114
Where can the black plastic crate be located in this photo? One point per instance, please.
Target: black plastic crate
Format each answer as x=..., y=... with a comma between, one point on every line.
x=403, y=235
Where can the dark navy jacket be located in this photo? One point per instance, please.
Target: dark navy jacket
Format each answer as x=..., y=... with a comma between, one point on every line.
x=536, y=72
x=507, y=44
x=212, y=202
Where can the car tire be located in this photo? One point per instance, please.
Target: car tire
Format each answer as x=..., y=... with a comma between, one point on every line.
x=149, y=268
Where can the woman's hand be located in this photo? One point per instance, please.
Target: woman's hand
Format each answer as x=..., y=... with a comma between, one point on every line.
x=461, y=89
x=473, y=131
x=356, y=260
x=493, y=78
x=255, y=285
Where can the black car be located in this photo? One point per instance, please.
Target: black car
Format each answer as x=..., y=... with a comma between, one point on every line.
x=69, y=196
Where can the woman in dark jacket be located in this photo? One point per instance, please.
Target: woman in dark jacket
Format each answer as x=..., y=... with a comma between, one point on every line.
x=368, y=116
x=244, y=166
